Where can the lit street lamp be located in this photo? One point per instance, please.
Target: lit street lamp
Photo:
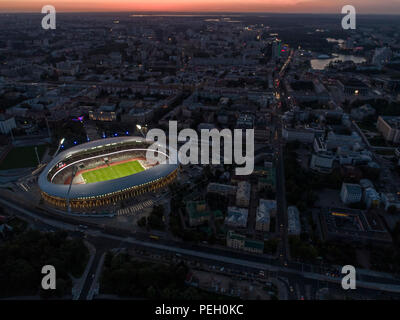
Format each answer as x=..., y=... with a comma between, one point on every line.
x=140, y=129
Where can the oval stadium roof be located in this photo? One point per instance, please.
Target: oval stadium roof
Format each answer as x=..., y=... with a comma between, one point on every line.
x=96, y=189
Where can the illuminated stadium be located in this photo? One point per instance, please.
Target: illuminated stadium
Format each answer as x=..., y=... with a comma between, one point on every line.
x=103, y=172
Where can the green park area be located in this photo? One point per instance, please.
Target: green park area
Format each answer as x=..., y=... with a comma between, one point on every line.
x=129, y=277
x=24, y=252
x=22, y=157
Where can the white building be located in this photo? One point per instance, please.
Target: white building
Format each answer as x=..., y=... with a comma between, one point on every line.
x=354, y=158
x=371, y=198
x=391, y=199
x=389, y=127
x=240, y=242
x=263, y=217
x=104, y=113
x=304, y=134
x=366, y=183
x=243, y=194
x=319, y=145
x=140, y=113
x=294, y=225
x=322, y=162
x=7, y=123
x=362, y=112
x=265, y=210
x=397, y=152
x=236, y=217
x=222, y=189
x=335, y=140
x=350, y=193
x=381, y=56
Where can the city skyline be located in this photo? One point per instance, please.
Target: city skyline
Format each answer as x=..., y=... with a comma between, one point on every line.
x=273, y=6
x=170, y=156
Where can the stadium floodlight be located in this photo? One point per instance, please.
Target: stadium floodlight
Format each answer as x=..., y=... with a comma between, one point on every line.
x=59, y=146
x=140, y=129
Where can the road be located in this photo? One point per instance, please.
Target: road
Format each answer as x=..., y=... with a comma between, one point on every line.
x=90, y=279
x=242, y=263
x=277, y=143
x=281, y=195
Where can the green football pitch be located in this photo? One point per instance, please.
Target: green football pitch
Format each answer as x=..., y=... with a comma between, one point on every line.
x=113, y=172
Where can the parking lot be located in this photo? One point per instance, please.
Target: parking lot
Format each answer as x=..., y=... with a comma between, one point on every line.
x=233, y=286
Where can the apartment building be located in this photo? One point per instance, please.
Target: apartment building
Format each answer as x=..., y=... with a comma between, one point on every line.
x=389, y=127
x=350, y=193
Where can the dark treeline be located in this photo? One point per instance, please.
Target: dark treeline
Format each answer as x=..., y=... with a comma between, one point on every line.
x=23, y=255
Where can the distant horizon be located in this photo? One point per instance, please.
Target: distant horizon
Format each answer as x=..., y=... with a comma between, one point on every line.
x=201, y=12
x=384, y=7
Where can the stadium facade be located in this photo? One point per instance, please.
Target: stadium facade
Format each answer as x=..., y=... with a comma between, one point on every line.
x=57, y=186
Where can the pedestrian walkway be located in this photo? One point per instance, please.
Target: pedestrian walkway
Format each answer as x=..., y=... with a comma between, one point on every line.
x=95, y=286
x=79, y=282
x=282, y=291
x=135, y=208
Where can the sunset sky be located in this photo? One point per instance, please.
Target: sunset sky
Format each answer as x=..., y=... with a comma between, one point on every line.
x=296, y=6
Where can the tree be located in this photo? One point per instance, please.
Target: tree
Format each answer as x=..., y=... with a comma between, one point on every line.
x=23, y=256
x=158, y=211
x=155, y=222
x=151, y=293
x=142, y=222
x=270, y=246
x=392, y=209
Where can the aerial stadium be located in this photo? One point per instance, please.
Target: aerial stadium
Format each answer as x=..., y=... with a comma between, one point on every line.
x=103, y=172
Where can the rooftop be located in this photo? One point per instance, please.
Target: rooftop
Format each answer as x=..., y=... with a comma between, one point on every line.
x=99, y=189
x=352, y=188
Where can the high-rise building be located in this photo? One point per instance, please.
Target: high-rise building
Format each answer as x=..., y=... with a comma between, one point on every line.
x=381, y=56
x=276, y=48
x=294, y=225
x=350, y=193
x=389, y=127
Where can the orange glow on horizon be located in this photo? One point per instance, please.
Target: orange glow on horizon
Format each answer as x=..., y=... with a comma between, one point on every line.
x=295, y=6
